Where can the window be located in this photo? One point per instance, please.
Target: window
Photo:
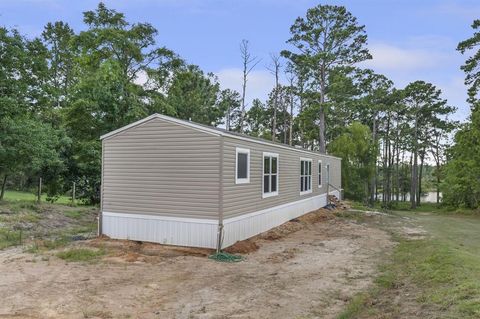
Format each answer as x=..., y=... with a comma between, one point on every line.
x=270, y=174
x=328, y=173
x=305, y=176
x=242, y=167
x=319, y=174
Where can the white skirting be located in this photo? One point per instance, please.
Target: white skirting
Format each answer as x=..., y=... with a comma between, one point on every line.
x=158, y=229
x=203, y=232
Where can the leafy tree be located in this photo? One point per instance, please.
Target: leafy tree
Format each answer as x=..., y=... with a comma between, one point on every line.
x=328, y=37
x=374, y=105
x=194, y=96
x=27, y=145
x=357, y=150
x=230, y=101
x=112, y=54
x=258, y=120
x=461, y=186
x=472, y=65
x=13, y=73
x=426, y=108
x=61, y=54
x=278, y=104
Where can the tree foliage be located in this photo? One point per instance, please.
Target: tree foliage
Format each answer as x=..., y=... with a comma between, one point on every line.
x=461, y=186
x=472, y=64
x=61, y=91
x=328, y=37
x=357, y=150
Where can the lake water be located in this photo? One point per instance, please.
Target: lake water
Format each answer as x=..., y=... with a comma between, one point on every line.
x=429, y=197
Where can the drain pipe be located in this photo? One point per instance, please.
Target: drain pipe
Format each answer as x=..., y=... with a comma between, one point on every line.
x=220, y=199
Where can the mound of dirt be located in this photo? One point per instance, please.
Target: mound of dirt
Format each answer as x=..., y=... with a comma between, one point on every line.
x=292, y=226
x=123, y=249
x=297, y=224
x=243, y=247
x=131, y=251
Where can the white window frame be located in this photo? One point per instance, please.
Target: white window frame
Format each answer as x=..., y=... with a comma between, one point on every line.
x=270, y=194
x=242, y=151
x=320, y=174
x=311, y=175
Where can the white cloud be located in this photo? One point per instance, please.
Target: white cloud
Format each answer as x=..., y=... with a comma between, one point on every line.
x=392, y=58
x=259, y=82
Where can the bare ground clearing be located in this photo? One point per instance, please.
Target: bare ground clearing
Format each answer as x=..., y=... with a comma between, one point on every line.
x=310, y=273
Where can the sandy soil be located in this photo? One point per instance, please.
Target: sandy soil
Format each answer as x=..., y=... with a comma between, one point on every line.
x=310, y=273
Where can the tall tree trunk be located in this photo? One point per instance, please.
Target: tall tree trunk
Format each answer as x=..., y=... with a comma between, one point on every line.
x=274, y=120
x=290, y=128
x=420, y=174
x=275, y=70
x=321, y=116
x=248, y=63
x=300, y=122
x=39, y=190
x=390, y=170
x=438, y=182
x=397, y=172
x=413, y=188
x=386, y=165
x=229, y=111
x=285, y=125
x=321, y=131
x=4, y=185
x=373, y=180
x=244, y=89
x=384, y=177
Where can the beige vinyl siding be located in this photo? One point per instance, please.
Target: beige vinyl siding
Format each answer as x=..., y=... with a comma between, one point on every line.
x=241, y=199
x=162, y=168
x=335, y=171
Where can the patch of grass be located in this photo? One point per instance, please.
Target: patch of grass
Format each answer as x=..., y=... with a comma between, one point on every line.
x=440, y=272
x=55, y=243
x=83, y=229
x=60, y=239
x=23, y=217
x=355, y=306
x=31, y=197
x=80, y=254
x=39, y=246
x=423, y=208
x=74, y=214
x=359, y=217
x=10, y=238
x=359, y=206
x=33, y=248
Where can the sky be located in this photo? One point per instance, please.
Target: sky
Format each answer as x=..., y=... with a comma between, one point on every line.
x=409, y=40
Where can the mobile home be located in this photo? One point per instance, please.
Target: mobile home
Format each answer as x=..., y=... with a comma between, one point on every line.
x=176, y=182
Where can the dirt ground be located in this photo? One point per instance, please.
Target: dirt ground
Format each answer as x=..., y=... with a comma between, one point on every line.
x=308, y=269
